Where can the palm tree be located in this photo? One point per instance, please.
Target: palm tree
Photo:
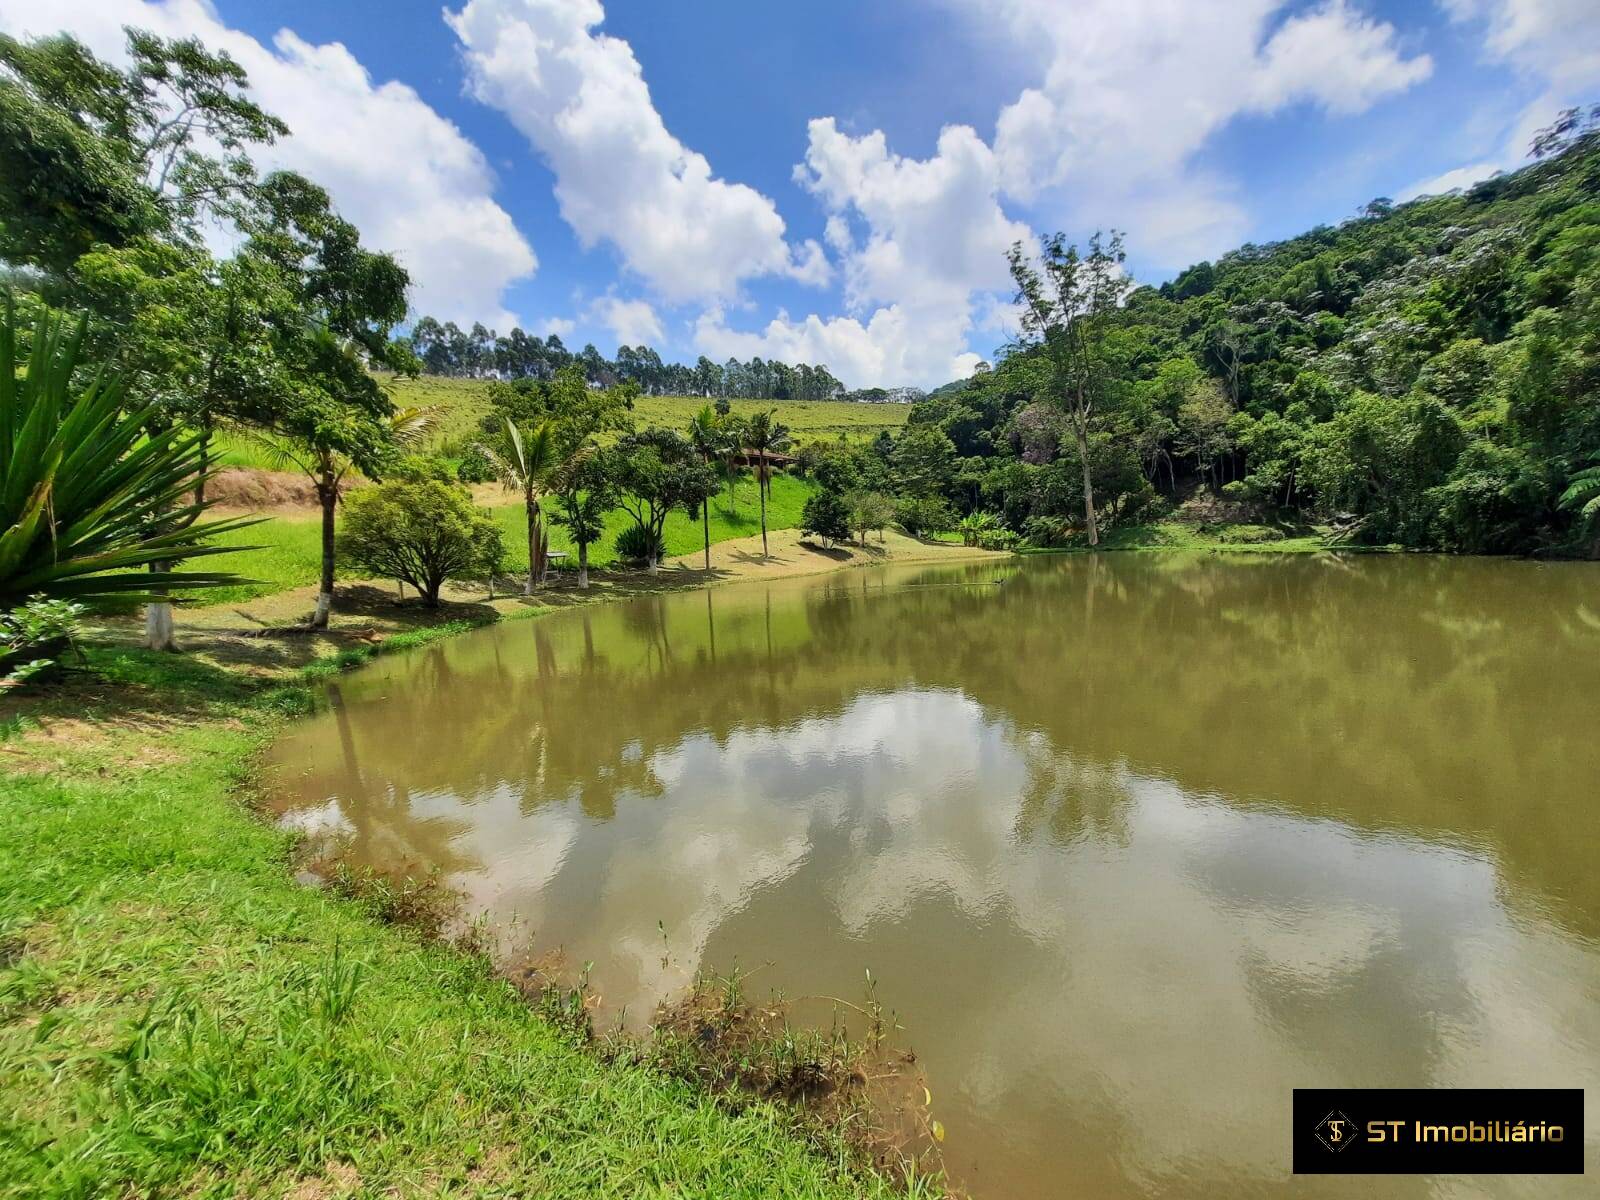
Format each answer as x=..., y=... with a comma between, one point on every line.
x=733, y=427
x=524, y=464
x=708, y=433
x=91, y=501
x=765, y=436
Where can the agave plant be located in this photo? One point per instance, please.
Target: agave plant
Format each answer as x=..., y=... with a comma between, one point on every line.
x=93, y=505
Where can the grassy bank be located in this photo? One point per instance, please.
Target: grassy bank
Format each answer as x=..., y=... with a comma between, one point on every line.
x=1232, y=538
x=178, y=1016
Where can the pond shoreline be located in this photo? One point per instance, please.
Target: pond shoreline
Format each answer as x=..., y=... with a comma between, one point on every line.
x=150, y=885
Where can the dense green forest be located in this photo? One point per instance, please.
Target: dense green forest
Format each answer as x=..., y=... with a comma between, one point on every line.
x=1427, y=374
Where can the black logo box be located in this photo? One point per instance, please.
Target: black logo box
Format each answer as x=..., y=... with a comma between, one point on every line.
x=1483, y=1126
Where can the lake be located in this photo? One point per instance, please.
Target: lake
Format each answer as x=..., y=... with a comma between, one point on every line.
x=1133, y=844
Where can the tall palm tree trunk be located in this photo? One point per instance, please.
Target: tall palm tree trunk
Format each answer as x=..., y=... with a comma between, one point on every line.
x=705, y=524
x=763, y=493
x=533, y=540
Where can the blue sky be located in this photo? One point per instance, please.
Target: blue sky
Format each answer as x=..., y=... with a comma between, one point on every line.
x=837, y=182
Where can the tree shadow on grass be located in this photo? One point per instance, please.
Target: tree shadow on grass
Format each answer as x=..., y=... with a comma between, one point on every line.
x=834, y=553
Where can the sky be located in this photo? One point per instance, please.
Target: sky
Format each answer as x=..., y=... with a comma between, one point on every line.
x=836, y=182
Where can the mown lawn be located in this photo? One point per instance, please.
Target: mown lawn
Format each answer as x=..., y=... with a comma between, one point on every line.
x=178, y=1017
x=286, y=552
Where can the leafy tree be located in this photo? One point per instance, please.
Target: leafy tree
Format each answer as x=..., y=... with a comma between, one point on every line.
x=921, y=516
x=422, y=532
x=336, y=305
x=1068, y=303
x=1378, y=461
x=91, y=154
x=587, y=493
x=1202, y=426
x=869, y=511
x=827, y=516
x=656, y=471
x=545, y=429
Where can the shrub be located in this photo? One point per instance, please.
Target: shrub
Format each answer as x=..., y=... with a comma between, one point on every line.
x=975, y=526
x=638, y=544
x=827, y=516
x=35, y=637
x=998, y=539
x=422, y=533
x=1047, y=531
x=418, y=468
x=923, y=515
x=475, y=466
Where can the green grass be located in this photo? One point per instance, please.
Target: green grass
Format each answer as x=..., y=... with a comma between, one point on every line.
x=178, y=1017
x=286, y=552
x=1178, y=535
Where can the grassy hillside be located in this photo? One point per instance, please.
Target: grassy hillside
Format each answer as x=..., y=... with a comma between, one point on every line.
x=460, y=404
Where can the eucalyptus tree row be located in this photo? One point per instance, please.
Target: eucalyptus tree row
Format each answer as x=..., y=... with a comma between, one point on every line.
x=444, y=348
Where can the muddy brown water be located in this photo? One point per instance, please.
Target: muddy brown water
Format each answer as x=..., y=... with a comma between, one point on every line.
x=1133, y=845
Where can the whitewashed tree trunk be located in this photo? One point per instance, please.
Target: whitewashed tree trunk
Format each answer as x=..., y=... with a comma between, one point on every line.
x=159, y=633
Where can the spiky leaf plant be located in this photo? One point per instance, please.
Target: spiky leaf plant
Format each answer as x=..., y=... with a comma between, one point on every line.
x=91, y=499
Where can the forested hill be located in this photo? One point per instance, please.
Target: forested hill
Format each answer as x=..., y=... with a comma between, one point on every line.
x=1427, y=373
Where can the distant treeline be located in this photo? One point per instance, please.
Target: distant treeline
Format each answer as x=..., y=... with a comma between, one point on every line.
x=479, y=353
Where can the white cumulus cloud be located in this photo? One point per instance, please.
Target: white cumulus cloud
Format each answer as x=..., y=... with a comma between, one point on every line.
x=579, y=97
x=633, y=322
x=896, y=345
x=408, y=178
x=919, y=241
x=1133, y=89
x=1556, y=40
